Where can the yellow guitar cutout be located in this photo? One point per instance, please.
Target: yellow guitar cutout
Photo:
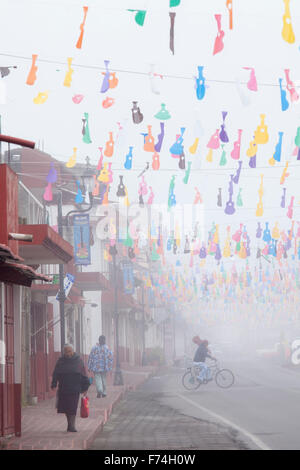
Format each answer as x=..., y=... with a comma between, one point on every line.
x=252, y=150
x=209, y=156
x=287, y=29
x=276, y=232
x=41, y=97
x=193, y=148
x=226, y=250
x=260, y=209
x=72, y=160
x=261, y=135
x=68, y=77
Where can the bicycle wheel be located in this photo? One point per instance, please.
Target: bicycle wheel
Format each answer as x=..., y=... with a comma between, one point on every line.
x=189, y=381
x=224, y=378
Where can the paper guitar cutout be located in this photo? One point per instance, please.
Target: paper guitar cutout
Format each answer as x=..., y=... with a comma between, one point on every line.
x=32, y=73
x=193, y=148
x=277, y=153
x=172, y=21
x=79, y=197
x=77, y=99
x=200, y=84
x=290, y=208
x=160, y=137
x=198, y=198
x=283, y=197
x=235, y=154
x=48, y=195
x=230, y=209
x=80, y=39
x=229, y=8
x=252, y=83
x=290, y=86
x=72, y=160
x=236, y=178
x=261, y=134
x=163, y=114
x=105, y=83
x=177, y=147
x=41, y=98
x=128, y=162
x=223, y=134
x=187, y=173
x=85, y=129
x=52, y=175
x=108, y=102
x=69, y=73
x=285, y=174
x=223, y=159
x=109, y=146
x=137, y=116
x=287, y=29
x=121, y=188
x=259, y=209
x=219, y=44
x=139, y=16
x=284, y=102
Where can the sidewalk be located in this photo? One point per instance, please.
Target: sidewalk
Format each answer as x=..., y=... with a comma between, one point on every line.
x=44, y=429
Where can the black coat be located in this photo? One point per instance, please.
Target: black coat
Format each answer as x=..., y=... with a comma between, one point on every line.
x=201, y=353
x=70, y=374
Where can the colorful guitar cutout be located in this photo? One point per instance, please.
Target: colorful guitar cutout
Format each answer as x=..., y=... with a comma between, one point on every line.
x=230, y=209
x=239, y=200
x=32, y=73
x=200, y=84
x=276, y=232
x=223, y=159
x=160, y=138
x=226, y=249
x=109, y=146
x=287, y=30
x=48, y=195
x=290, y=86
x=181, y=162
x=252, y=150
x=238, y=234
x=177, y=147
x=277, y=153
x=258, y=230
x=155, y=161
x=198, y=198
x=261, y=134
x=236, y=178
x=105, y=83
x=229, y=8
x=187, y=173
x=163, y=114
x=77, y=99
x=72, y=160
x=108, y=102
x=99, y=166
x=139, y=16
x=104, y=176
x=252, y=83
x=149, y=141
x=172, y=21
x=110, y=173
x=85, y=129
x=219, y=198
x=113, y=80
x=69, y=73
x=283, y=197
x=151, y=196
x=78, y=198
x=223, y=134
x=96, y=188
x=80, y=39
x=137, y=116
x=284, y=102
x=285, y=174
x=128, y=162
x=121, y=188
x=41, y=97
x=52, y=175
x=219, y=44
x=290, y=208
x=259, y=209
x=193, y=148
x=235, y=154
x=214, y=142
x=267, y=234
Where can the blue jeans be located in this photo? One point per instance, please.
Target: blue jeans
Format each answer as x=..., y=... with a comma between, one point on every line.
x=204, y=370
x=100, y=380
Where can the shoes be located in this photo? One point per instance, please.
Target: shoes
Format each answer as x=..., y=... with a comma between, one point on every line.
x=71, y=423
x=101, y=395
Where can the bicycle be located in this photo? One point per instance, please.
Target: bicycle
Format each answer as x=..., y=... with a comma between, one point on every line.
x=224, y=378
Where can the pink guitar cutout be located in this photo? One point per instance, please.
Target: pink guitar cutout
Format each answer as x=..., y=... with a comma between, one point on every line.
x=290, y=208
x=252, y=83
x=290, y=86
x=198, y=198
x=219, y=44
x=235, y=154
x=214, y=142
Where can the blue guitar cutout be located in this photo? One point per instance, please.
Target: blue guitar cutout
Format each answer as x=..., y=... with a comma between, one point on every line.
x=79, y=197
x=284, y=102
x=277, y=154
x=177, y=148
x=128, y=162
x=200, y=84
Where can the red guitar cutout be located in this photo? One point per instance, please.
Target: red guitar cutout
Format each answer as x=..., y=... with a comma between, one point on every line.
x=79, y=42
x=219, y=44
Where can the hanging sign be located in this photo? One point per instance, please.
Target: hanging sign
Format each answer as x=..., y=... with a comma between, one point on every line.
x=82, y=254
x=68, y=284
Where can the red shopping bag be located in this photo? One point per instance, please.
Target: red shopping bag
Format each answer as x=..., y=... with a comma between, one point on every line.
x=85, y=407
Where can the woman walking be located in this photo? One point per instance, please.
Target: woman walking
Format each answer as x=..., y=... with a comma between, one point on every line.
x=100, y=362
x=72, y=380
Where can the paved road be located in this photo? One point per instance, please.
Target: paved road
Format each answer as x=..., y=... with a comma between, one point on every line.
x=263, y=404
x=261, y=411
x=142, y=422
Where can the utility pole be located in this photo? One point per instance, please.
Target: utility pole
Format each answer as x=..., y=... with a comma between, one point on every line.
x=61, y=294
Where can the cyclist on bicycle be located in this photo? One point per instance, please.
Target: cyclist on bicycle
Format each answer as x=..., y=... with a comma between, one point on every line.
x=201, y=354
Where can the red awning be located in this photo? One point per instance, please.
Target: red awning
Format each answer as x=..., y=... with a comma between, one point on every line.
x=125, y=301
x=47, y=246
x=91, y=281
x=20, y=274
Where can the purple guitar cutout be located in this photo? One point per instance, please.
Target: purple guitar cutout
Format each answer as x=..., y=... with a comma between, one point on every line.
x=252, y=162
x=258, y=230
x=237, y=175
x=160, y=137
x=105, y=83
x=230, y=209
x=223, y=134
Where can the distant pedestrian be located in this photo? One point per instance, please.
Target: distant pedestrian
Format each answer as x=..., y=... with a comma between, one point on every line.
x=70, y=374
x=100, y=362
